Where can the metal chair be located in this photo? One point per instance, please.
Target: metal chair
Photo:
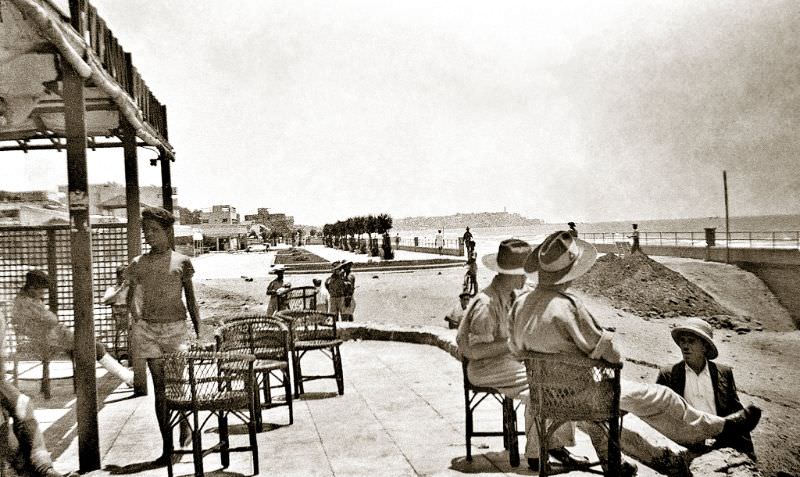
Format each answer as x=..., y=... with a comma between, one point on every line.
x=268, y=340
x=573, y=388
x=298, y=298
x=313, y=331
x=473, y=397
x=216, y=383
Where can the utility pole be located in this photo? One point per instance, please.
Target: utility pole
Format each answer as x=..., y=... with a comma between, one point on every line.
x=727, y=220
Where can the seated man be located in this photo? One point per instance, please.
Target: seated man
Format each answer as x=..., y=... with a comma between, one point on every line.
x=457, y=313
x=551, y=320
x=34, y=320
x=704, y=384
x=483, y=339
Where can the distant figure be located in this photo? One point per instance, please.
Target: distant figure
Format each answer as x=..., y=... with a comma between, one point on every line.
x=341, y=285
x=322, y=298
x=468, y=243
x=275, y=288
x=635, y=237
x=471, y=276
x=457, y=313
x=117, y=297
x=397, y=240
x=439, y=241
x=572, y=230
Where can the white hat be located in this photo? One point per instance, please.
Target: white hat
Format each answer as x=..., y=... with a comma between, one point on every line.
x=275, y=269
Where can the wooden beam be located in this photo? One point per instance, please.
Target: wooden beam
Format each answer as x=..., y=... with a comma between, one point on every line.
x=166, y=180
x=134, y=228
x=81, y=250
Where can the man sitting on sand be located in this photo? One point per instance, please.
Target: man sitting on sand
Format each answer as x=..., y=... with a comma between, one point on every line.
x=704, y=384
x=552, y=320
x=483, y=339
x=455, y=316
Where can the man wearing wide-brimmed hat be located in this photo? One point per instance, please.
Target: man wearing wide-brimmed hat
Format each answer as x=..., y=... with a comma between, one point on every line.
x=483, y=339
x=275, y=287
x=341, y=285
x=550, y=319
x=704, y=384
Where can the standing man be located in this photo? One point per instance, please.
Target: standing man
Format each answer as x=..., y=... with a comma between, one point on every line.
x=439, y=241
x=340, y=285
x=704, y=384
x=482, y=338
x=157, y=280
x=469, y=245
x=275, y=288
x=635, y=237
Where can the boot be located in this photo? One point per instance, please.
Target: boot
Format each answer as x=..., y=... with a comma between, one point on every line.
x=741, y=422
x=112, y=366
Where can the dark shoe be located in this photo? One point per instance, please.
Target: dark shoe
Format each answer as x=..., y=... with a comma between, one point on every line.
x=533, y=464
x=741, y=422
x=568, y=459
x=164, y=460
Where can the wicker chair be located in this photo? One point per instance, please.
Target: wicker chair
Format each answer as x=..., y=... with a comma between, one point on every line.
x=572, y=388
x=268, y=340
x=313, y=331
x=298, y=298
x=473, y=397
x=216, y=383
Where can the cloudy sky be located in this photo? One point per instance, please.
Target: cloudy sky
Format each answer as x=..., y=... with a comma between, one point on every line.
x=588, y=111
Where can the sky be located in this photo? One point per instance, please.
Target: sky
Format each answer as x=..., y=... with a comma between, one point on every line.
x=583, y=111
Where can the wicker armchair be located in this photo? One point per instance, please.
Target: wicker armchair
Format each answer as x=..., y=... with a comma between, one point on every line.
x=268, y=340
x=313, y=331
x=572, y=388
x=216, y=383
x=298, y=298
x=473, y=397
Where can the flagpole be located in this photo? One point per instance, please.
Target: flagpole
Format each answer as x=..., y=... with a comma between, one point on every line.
x=727, y=220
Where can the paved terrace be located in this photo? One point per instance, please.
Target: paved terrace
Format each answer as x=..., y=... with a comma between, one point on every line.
x=402, y=414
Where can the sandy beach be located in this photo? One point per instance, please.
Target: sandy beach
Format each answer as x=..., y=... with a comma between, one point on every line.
x=764, y=361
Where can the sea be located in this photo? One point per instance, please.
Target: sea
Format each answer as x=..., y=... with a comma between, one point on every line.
x=487, y=238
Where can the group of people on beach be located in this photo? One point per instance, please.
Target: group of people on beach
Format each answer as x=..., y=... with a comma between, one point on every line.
x=336, y=298
x=694, y=400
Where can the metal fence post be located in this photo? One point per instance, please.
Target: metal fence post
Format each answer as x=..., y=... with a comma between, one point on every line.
x=52, y=271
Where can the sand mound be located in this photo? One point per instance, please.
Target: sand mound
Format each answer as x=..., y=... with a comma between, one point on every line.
x=640, y=285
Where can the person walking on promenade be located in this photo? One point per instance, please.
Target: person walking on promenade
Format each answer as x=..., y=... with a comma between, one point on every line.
x=341, y=285
x=471, y=276
x=704, y=384
x=572, y=230
x=482, y=338
x=635, y=237
x=276, y=288
x=439, y=241
x=469, y=245
x=321, y=297
x=157, y=279
x=31, y=318
x=550, y=319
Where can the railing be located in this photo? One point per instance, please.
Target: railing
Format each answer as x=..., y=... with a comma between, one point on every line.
x=118, y=64
x=774, y=239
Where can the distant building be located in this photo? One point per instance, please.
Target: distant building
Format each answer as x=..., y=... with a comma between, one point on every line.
x=220, y=214
x=37, y=207
x=281, y=223
x=112, y=193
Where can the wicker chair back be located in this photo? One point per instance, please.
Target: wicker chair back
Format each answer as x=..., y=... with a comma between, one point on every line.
x=298, y=298
x=202, y=380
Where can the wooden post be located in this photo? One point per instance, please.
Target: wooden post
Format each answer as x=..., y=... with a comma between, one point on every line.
x=727, y=221
x=81, y=250
x=166, y=181
x=132, y=201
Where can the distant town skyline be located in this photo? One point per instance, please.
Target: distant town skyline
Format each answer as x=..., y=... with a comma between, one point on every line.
x=578, y=111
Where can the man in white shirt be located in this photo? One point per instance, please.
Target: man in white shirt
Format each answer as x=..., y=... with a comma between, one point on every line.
x=706, y=385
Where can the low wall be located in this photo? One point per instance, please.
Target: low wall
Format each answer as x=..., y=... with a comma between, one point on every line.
x=455, y=252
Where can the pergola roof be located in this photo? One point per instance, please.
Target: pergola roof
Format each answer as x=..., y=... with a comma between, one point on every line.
x=36, y=40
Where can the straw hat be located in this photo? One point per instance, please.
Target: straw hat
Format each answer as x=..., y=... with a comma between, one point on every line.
x=701, y=329
x=342, y=264
x=561, y=258
x=277, y=269
x=510, y=257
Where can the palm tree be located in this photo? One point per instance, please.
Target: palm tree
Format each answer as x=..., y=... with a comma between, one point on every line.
x=371, y=226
